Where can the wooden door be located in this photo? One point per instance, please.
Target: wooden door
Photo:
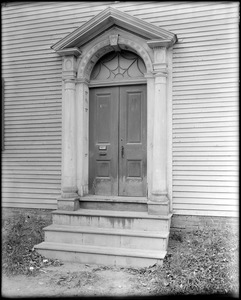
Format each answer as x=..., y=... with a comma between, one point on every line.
x=117, y=141
x=132, y=140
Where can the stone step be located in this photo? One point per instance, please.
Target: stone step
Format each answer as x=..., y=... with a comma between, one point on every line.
x=112, y=219
x=117, y=203
x=122, y=238
x=100, y=255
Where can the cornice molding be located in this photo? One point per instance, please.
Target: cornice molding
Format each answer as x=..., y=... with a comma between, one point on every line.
x=113, y=17
x=161, y=43
x=69, y=52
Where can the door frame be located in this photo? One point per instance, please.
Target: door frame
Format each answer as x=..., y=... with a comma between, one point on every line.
x=76, y=82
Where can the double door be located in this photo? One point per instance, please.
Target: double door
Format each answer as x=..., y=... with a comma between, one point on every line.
x=117, y=141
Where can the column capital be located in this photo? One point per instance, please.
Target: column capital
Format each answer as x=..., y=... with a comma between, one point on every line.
x=69, y=69
x=160, y=60
x=160, y=73
x=82, y=80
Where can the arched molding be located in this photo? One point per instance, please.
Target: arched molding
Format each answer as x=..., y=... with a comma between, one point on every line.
x=97, y=50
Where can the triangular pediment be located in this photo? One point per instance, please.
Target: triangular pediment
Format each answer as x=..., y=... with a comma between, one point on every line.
x=110, y=17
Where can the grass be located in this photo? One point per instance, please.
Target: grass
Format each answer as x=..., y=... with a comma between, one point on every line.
x=203, y=261
x=19, y=235
x=200, y=262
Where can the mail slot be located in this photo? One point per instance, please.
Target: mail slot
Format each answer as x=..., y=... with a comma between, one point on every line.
x=102, y=147
x=102, y=153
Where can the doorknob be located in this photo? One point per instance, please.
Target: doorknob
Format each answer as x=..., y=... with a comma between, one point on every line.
x=122, y=151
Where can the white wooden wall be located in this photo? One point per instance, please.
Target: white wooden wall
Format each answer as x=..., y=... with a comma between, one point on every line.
x=204, y=111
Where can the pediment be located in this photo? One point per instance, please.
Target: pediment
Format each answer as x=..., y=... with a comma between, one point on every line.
x=108, y=18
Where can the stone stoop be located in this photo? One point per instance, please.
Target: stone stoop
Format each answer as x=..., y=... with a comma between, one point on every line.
x=108, y=237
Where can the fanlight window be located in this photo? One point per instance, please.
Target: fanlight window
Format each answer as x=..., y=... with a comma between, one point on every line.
x=119, y=65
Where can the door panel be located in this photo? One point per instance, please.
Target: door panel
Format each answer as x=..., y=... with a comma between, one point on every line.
x=117, y=147
x=132, y=162
x=103, y=141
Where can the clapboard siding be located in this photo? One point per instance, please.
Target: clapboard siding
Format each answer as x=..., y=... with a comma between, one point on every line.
x=204, y=99
x=205, y=115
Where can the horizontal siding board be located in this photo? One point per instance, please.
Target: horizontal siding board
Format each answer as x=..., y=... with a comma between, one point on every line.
x=22, y=127
x=198, y=53
x=34, y=99
x=201, y=74
x=28, y=201
x=208, y=167
x=15, y=204
x=46, y=83
x=198, y=28
x=207, y=172
x=37, y=122
x=203, y=97
x=19, y=168
x=190, y=109
x=209, y=201
x=206, y=189
x=38, y=195
x=204, y=155
x=207, y=207
x=202, y=195
x=214, y=62
x=202, y=179
x=195, y=150
x=211, y=213
x=50, y=192
x=26, y=185
x=27, y=118
x=9, y=164
x=210, y=125
x=217, y=77
x=39, y=112
x=193, y=184
x=30, y=104
x=205, y=129
x=208, y=116
x=36, y=177
x=201, y=135
x=203, y=103
x=30, y=181
x=207, y=158
x=228, y=119
x=32, y=131
x=24, y=171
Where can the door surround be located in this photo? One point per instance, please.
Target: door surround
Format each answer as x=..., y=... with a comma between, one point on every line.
x=80, y=51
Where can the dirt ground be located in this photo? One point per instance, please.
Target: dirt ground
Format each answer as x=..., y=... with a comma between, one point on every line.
x=72, y=279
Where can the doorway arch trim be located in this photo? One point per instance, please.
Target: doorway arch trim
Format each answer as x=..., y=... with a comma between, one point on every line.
x=77, y=66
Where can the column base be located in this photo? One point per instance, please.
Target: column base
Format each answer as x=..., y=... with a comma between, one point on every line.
x=158, y=205
x=69, y=204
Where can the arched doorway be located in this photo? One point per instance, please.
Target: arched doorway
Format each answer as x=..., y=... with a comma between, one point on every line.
x=118, y=126
x=112, y=30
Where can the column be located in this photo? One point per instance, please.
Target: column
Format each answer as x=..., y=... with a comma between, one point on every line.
x=150, y=112
x=69, y=192
x=158, y=202
x=82, y=112
x=159, y=158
